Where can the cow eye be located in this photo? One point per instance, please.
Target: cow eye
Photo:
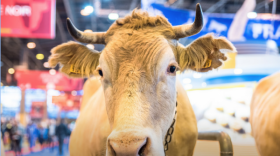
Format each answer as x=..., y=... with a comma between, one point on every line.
x=100, y=72
x=172, y=69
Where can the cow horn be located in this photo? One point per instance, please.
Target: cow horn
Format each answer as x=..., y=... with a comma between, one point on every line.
x=186, y=30
x=85, y=37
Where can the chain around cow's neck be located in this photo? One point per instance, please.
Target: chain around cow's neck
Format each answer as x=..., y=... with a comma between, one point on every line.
x=168, y=136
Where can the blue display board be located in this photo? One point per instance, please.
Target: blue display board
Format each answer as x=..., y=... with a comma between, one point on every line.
x=259, y=29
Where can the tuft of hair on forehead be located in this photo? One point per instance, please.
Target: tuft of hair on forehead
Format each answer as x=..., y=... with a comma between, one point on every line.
x=139, y=19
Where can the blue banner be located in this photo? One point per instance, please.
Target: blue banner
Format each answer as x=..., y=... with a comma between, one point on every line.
x=261, y=28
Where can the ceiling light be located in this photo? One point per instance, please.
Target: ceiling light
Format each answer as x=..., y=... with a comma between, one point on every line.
x=52, y=71
x=74, y=93
x=31, y=45
x=197, y=75
x=113, y=16
x=84, y=13
x=90, y=46
x=40, y=56
x=89, y=9
x=187, y=80
x=11, y=71
x=69, y=103
x=46, y=65
x=238, y=71
x=251, y=15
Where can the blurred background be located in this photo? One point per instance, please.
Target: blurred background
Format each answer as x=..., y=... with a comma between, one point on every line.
x=36, y=100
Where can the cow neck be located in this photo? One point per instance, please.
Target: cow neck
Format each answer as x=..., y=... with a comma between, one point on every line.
x=168, y=136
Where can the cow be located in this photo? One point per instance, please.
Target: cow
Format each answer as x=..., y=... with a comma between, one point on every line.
x=137, y=107
x=265, y=115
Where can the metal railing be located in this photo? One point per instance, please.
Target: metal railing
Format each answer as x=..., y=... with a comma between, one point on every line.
x=223, y=138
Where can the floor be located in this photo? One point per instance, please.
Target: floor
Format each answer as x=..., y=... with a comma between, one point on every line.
x=203, y=148
x=211, y=148
x=43, y=152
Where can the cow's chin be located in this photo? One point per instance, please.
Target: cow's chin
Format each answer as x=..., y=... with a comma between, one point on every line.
x=144, y=142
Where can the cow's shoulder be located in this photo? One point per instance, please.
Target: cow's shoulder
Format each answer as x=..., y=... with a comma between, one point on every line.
x=268, y=82
x=90, y=88
x=185, y=133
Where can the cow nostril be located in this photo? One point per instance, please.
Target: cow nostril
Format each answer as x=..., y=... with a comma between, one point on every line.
x=142, y=149
x=136, y=147
x=111, y=150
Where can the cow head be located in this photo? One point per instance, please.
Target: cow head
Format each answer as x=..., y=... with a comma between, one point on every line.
x=137, y=70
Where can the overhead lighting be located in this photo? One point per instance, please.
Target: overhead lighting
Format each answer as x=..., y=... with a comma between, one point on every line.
x=11, y=70
x=90, y=46
x=197, y=75
x=251, y=15
x=52, y=71
x=46, y=65
x=238, y=71
x=74, y=93
x=40, y=56
x=69, y=103
x=188, y=86
x=89, y=9
x=204, y=84
x=84, y=13
x=88, y=30
x=187, y=80
x=31, y=45
x=113, y=16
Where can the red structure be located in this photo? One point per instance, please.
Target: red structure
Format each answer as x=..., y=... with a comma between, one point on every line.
x=37, y=79
x=67, y=101
x=28, y=18
x=37, y=110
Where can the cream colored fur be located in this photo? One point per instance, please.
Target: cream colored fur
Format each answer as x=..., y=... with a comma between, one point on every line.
x=206, y=47
x=138, y=94
x=84, y=60
x=265, y=115
x=92, y=127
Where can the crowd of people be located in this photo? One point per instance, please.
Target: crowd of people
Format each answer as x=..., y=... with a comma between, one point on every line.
x=45, y=133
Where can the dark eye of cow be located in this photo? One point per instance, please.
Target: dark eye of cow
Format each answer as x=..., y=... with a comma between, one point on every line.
x=172, y=69
x=100, y=73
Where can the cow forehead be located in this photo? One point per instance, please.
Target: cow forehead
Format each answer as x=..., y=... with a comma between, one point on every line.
x=137, y=50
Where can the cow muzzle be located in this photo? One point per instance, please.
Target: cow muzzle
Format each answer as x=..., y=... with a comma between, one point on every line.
x=128, y=144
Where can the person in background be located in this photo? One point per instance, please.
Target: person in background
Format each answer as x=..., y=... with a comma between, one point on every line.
x=41, y=135
x=3, y=127
x=31, y=134
x=16, y=133
x=61, y=132
x=51, y=134
x=9, y=127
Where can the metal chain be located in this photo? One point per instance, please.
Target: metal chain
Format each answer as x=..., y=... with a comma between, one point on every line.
x=170, y=131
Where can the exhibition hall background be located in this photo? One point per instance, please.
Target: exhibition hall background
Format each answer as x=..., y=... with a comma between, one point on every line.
x=33, y=95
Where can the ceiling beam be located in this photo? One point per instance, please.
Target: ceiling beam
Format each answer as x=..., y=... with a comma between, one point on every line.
x=69, y=9
x=133, y=4
x=60, y=27
x=216, y=6
x=262, y=4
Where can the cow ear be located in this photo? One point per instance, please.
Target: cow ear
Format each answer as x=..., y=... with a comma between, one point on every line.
x=204, y=53
x=76, y=60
